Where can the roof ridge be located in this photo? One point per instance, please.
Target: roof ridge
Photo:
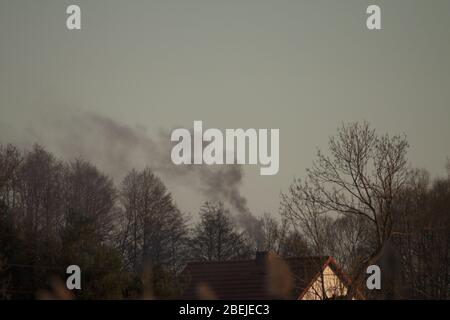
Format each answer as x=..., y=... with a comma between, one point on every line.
x=325, y=257
x=220, y=261
x=307, y=257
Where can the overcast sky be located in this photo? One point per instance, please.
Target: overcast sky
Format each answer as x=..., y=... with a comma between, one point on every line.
x=300, y=66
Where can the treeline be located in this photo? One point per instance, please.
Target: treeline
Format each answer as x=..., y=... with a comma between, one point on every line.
x=360, y=202
x=363, y=204
x=130, y=240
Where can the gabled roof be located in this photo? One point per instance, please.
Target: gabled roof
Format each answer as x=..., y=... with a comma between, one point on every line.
x=247, y=279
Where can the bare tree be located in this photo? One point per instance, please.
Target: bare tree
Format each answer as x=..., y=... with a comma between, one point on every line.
x=215, y=237
x=281, y=238
x=39, y=208
x=349, y=240
x=31, y=189
x=154, y=230
x=422, y=239
x=363, y=176
x=3, y=280
x=272, y=233
x=7, y=248
x=293, y=244
x=90, y=193
x=10, y=161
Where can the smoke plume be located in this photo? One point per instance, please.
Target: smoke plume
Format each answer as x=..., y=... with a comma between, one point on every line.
x=116, y=148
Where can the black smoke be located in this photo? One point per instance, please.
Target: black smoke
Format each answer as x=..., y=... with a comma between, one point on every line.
x=117, y=148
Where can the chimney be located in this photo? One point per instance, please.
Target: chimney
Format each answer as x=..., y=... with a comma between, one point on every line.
x=261, y=256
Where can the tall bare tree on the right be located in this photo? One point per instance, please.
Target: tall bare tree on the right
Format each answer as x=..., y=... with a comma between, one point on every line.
x=362, y=178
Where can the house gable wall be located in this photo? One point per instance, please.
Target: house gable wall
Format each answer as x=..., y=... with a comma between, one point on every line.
x=332, y=286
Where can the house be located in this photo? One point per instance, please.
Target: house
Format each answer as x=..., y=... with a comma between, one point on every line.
x=266, y=277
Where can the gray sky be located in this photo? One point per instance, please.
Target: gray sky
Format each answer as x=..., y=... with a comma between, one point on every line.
x=301, y=66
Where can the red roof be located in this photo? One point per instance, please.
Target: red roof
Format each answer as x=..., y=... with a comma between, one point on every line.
x=248, y=279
